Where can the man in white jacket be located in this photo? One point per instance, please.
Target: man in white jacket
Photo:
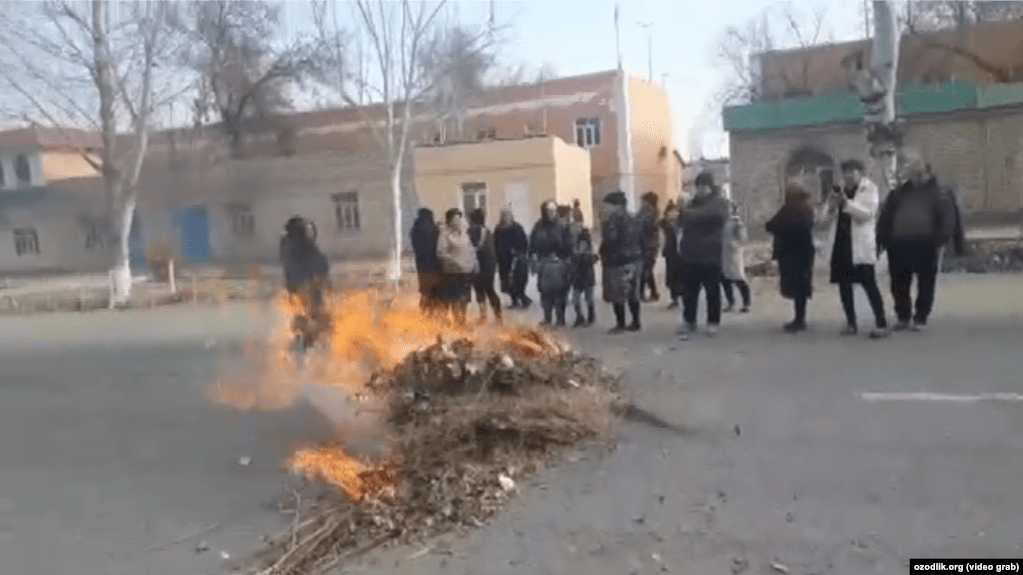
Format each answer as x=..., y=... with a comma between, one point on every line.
x=854, y=249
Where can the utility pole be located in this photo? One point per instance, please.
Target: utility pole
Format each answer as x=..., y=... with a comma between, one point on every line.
x=647, y=25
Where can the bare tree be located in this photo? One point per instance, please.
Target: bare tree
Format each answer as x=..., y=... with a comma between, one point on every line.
x=94, y=65
x=927, y=19
x=402, y=77
x=244, y=68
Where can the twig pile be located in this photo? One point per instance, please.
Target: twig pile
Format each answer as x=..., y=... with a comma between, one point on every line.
x=468, y=420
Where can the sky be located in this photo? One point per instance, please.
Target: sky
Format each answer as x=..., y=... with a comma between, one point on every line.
x=578, y=37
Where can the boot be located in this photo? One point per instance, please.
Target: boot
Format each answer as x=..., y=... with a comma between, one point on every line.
x=634, y=310
x=619, y=327
x=592, y=317
x=580, y=321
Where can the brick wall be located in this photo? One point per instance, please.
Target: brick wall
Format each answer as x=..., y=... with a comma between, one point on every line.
x=979, y=153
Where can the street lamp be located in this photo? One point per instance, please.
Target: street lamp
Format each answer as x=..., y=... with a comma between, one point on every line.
x=647, y=25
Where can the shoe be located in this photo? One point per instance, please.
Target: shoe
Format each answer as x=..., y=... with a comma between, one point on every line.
x=591, y=317
x=579, y=322
x=684, y=331
x=673, y=305
x=712, y=330
x=794, y=327
x=849, y=330
x=560, y=322
x=634, y=326
x=745, y=309
x=545, y=323
x=728, y=308
x=655, y=297
x=616, y=330
x=901, y=325
x=880, y=333
x=918, y=325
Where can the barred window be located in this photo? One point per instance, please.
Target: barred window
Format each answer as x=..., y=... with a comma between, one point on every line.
x=26, y=241
x=346, y=211
x=243, y=220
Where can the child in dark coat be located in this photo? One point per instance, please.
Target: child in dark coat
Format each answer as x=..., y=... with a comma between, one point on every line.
x=792, y=228
x=585, y=275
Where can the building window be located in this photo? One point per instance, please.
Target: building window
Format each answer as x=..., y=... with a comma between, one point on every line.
x=474, y=195
x=95, y=235
x=26, y=241
x=346, y=211
x=22, y=170
x=587, y=132
x=488, y=134
x=243, y=221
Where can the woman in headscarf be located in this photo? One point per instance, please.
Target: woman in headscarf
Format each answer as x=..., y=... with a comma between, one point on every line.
x=512, y=246
x=458, y=260
x=424, y=244
x=792, y=228
x=672, y=266
x=550, y=247
x=306, y=277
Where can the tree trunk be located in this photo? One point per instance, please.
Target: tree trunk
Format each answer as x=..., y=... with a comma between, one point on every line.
x=120, y=256
x=394, y=269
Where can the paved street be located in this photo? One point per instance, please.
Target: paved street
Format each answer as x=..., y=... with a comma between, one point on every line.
x=110, y=454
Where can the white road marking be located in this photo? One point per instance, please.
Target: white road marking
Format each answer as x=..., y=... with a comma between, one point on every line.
x=953, y=398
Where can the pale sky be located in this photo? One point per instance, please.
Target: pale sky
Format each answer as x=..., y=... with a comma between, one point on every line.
x=578, y=37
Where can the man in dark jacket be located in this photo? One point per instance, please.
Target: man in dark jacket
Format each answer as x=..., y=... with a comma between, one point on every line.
x=512, y=246
x=424, y=243
x=702, y=222
x=306, y=277
x=916, y=219
x=550, y=246
x=621, y=250
x=648, y=216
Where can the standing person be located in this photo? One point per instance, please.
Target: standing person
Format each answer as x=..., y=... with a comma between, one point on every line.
x=672, y=265
x=424, y=245
x=486, y=259
x=648, y=216
x=306, y=277
x=458, y=262
x=917, y=218
x=621, y=250
x=792, y=228
x=550, y=248
x=512, y=246
x=703, y=222
x=585, y=277
x=733, y=261
x=854, y=251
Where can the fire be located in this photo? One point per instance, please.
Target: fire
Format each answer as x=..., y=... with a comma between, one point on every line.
x=368, y=331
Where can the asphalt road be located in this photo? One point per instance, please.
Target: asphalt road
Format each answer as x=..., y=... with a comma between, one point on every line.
x=112, y=461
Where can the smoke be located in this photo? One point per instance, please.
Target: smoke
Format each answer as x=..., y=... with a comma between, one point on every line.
x=697, y=133
x=360, y=423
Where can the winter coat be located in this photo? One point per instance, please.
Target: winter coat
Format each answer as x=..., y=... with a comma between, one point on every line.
x=586, y=260
x=703, y=223
x=672, y=265
x=304, y=265
x=927, y=213
x=424, y=245
x=455, y=252
x=550, y=238
x=622, y=242
x=651, y=231
x=862, y=209
x=794, y=250
x=733, y=256
x=486, y=254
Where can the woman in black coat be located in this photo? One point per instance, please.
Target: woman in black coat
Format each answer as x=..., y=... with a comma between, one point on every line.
x=511, y=245
x=486, y=256
x=672, y=265
x=792, y=228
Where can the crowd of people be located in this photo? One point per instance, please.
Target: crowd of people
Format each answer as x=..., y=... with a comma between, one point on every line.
x=701, y=240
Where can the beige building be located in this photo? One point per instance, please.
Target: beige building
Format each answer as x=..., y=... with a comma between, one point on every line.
x=515, y=174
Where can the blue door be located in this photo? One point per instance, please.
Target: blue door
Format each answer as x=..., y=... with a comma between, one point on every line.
x=193, y=228
x=136, y=245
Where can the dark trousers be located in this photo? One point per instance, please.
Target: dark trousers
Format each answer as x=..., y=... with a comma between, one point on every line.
x=646, y=279
x=483, y=285
x=726, y=287
x=869, y=283
x=908, y=259
x=707, y=277
x=799, y=306
x=554, y=304
x=580, y=294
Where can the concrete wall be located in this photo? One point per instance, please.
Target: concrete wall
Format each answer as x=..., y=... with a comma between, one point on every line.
x=58, y=165
x=655, y=167
x=572, y=176
x=979, y=153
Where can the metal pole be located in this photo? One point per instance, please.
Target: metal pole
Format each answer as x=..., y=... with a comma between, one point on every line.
x=650, y=48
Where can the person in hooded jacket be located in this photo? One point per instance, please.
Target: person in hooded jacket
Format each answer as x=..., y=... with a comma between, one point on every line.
x=700, y=251
x=512, y=246
x=672, y=265
x=486, y=258
x=550, y=248
x=621, y=250
x=425, y=233
x=792, y=227
x=306, y=278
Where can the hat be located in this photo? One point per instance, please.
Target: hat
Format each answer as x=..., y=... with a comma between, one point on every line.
x=705, y=179
x=615, y=199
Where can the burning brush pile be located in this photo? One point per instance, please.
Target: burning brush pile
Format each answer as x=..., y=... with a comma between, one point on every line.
x=468, y=414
